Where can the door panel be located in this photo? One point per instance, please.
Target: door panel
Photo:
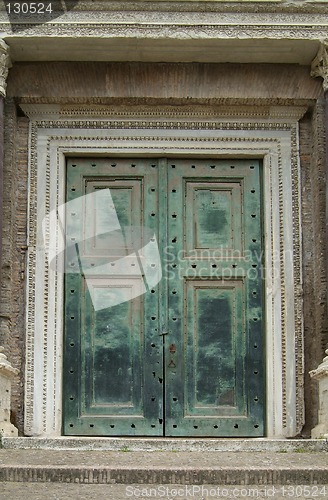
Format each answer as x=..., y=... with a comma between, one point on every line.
x=178, y=352
x=213, y=219
x=214, y=378
x=109, y=389
x=213, y=362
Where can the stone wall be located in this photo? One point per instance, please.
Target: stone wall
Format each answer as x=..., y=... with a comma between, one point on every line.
x=12, y=307
x=314, y=252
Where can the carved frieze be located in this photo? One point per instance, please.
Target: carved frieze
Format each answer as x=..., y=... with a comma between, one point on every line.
x=5, y=64
x=264, y=31
x=319, y=67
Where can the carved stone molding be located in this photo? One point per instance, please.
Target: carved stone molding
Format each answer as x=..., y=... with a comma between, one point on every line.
x=319, y=65
x=192, y=115
x=142, y=31
x=72, y=132
x=5, y=64
x=181, y=17
x=293, y=29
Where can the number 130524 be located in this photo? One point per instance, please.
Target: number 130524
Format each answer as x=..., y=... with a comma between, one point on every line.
x=29, y=8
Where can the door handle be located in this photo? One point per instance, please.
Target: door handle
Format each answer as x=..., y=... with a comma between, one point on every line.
x=172, y=350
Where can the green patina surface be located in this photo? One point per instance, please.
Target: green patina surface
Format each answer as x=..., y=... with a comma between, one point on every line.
x=205, y=375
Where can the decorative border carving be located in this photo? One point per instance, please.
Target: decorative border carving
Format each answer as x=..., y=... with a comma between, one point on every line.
x=151, y=31
x=45, y=317
x=209, y=114
x=276, y=142
x=282, y=252
x=31, y=291
x=5, y=64
x=297, y=278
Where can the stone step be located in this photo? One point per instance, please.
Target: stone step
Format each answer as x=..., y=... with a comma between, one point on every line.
x=166, y=444
x=298, y=467
x=69, y=491
x=166, y=475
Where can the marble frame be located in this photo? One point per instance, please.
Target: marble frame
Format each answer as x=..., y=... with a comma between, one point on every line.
x=271, y=136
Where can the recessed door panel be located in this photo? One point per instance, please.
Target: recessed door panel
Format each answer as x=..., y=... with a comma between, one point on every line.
x=214, y=351
x=213, y=218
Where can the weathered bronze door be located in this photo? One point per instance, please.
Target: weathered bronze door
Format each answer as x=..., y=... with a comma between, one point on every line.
x=171, y=345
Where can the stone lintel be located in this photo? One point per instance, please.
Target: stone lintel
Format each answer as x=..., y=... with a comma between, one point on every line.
x=209, y=83
x=288, y=113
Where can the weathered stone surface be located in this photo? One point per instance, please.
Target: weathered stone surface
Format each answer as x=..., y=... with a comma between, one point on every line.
x=71, y=491
x=259, y=31
x=321, y=375
x=7, y=372
x=320, y=65
x=12, y=313
x=313, y=173
x=166, y=84
x=177, y=467
x=5, y=64
x=56, y=80
x=192, y=445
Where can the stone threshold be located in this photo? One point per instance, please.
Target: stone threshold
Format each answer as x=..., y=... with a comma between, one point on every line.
x=165, y=444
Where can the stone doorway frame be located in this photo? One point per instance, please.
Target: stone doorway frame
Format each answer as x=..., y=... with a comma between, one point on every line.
x=269, y=133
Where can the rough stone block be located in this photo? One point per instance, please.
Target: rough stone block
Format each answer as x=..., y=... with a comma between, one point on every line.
x=321, y=375
x=7, y=372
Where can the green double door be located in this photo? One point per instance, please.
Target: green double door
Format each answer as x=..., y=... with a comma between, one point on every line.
x=163, y=298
